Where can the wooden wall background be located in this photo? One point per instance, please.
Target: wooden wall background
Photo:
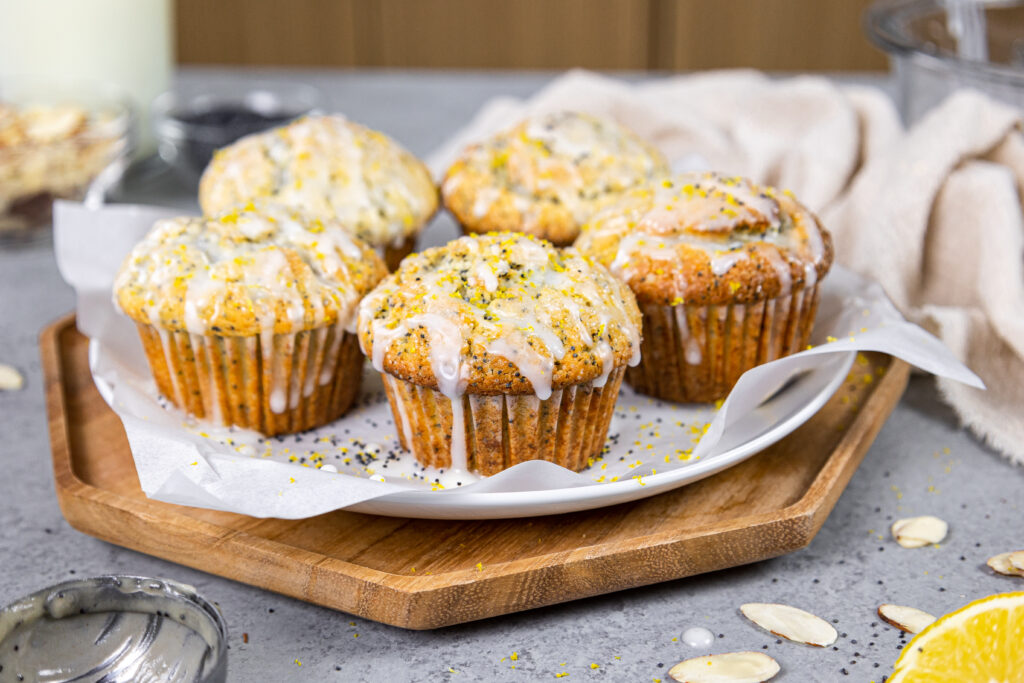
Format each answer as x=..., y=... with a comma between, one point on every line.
x=804, y=35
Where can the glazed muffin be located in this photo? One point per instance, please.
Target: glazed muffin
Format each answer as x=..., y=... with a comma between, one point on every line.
x=726, y=274
x=496, y=349
x=249, y=318
x=547, y=175
x=50, y=152
x=329, y=168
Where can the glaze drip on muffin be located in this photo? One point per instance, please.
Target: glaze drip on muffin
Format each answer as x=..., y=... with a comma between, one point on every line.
x=247, y=272
x=547, y=175
x=500, y=313
x=707, y=238
x=329, y=168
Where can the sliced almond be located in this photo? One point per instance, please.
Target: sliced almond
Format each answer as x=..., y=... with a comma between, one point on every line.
x=49, y=124
x=917, y=532
x=1017, y=560
x=790, y=623
x=909, y=619
x=731, y=667
x=10, y=379
x=1002, y=564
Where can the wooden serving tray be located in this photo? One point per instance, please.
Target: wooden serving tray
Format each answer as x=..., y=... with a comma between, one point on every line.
x=423, y=574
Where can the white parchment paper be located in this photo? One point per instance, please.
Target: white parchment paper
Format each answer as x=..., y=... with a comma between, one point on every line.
x=357, y=458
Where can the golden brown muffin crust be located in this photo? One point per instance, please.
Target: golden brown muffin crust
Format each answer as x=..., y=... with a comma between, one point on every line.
x=705, y=238
x=245, y=273
x=547, y=175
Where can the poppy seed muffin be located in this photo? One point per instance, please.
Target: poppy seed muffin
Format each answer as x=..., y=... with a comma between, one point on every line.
x=249, y=318
x=329, y=168
x=547, y=175
x=726, y=274
x=500, y=348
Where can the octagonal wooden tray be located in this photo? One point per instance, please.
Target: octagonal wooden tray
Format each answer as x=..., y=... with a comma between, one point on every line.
x=424, y=574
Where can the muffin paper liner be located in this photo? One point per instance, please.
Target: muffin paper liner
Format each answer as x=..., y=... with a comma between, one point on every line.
x=697, y=353
x=293, y=383
x=568, y=428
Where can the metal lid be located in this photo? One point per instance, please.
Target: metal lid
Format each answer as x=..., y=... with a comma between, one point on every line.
x=113, y=628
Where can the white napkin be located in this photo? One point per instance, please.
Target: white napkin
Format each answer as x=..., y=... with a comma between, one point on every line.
x=933, y=214
x=936, y=218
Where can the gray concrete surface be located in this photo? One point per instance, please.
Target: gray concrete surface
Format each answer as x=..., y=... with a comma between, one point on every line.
x=632, y=635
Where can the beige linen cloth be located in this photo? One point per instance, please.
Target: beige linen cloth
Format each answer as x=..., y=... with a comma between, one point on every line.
x=933, y=213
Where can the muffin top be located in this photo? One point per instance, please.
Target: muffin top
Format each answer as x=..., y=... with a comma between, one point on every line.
x=329, y=168
x=501, y=313
x=247, y=272
x=547, y=175
x=705, y=238
x=56, y=149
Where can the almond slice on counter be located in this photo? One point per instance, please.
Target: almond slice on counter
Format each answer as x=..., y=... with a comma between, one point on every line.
x=1003, y=564
x=10, y=378
x=917, y=532
x=909, y=619
x=731, y=667
x=790, y=623
x=1017, y=560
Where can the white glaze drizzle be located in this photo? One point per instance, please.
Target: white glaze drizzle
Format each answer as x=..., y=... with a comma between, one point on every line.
x=603, y=350
x=214, y=410
x=484, y=200
x=457, y=451
x=692, y=352
x=782, y=270
x=327, y=371
x=330, y=168
x=723, y=261
x=577, y=159
x=242, y=258
x=271, y=361
x=403, y=419
x=536, y=367
x=313, y=373
x=245, y=251
x=707, y=212
x=167, y=344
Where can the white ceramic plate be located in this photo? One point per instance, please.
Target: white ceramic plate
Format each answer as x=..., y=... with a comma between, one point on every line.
x=785, y=410
x=789, y=408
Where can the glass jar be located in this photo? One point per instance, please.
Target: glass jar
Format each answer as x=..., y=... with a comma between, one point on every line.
x=938, y=46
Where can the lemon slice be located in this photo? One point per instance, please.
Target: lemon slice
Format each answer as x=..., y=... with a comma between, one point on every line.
x=980, y=643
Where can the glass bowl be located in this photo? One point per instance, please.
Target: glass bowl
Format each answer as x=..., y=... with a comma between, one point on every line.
x=57, y=141
x=191, y=122
x=938, y=46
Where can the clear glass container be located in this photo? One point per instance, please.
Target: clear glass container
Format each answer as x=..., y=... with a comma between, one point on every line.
x=116, y=629
x=191, y=122
x=938, y=46
x=58, y=140
x=127, y=43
